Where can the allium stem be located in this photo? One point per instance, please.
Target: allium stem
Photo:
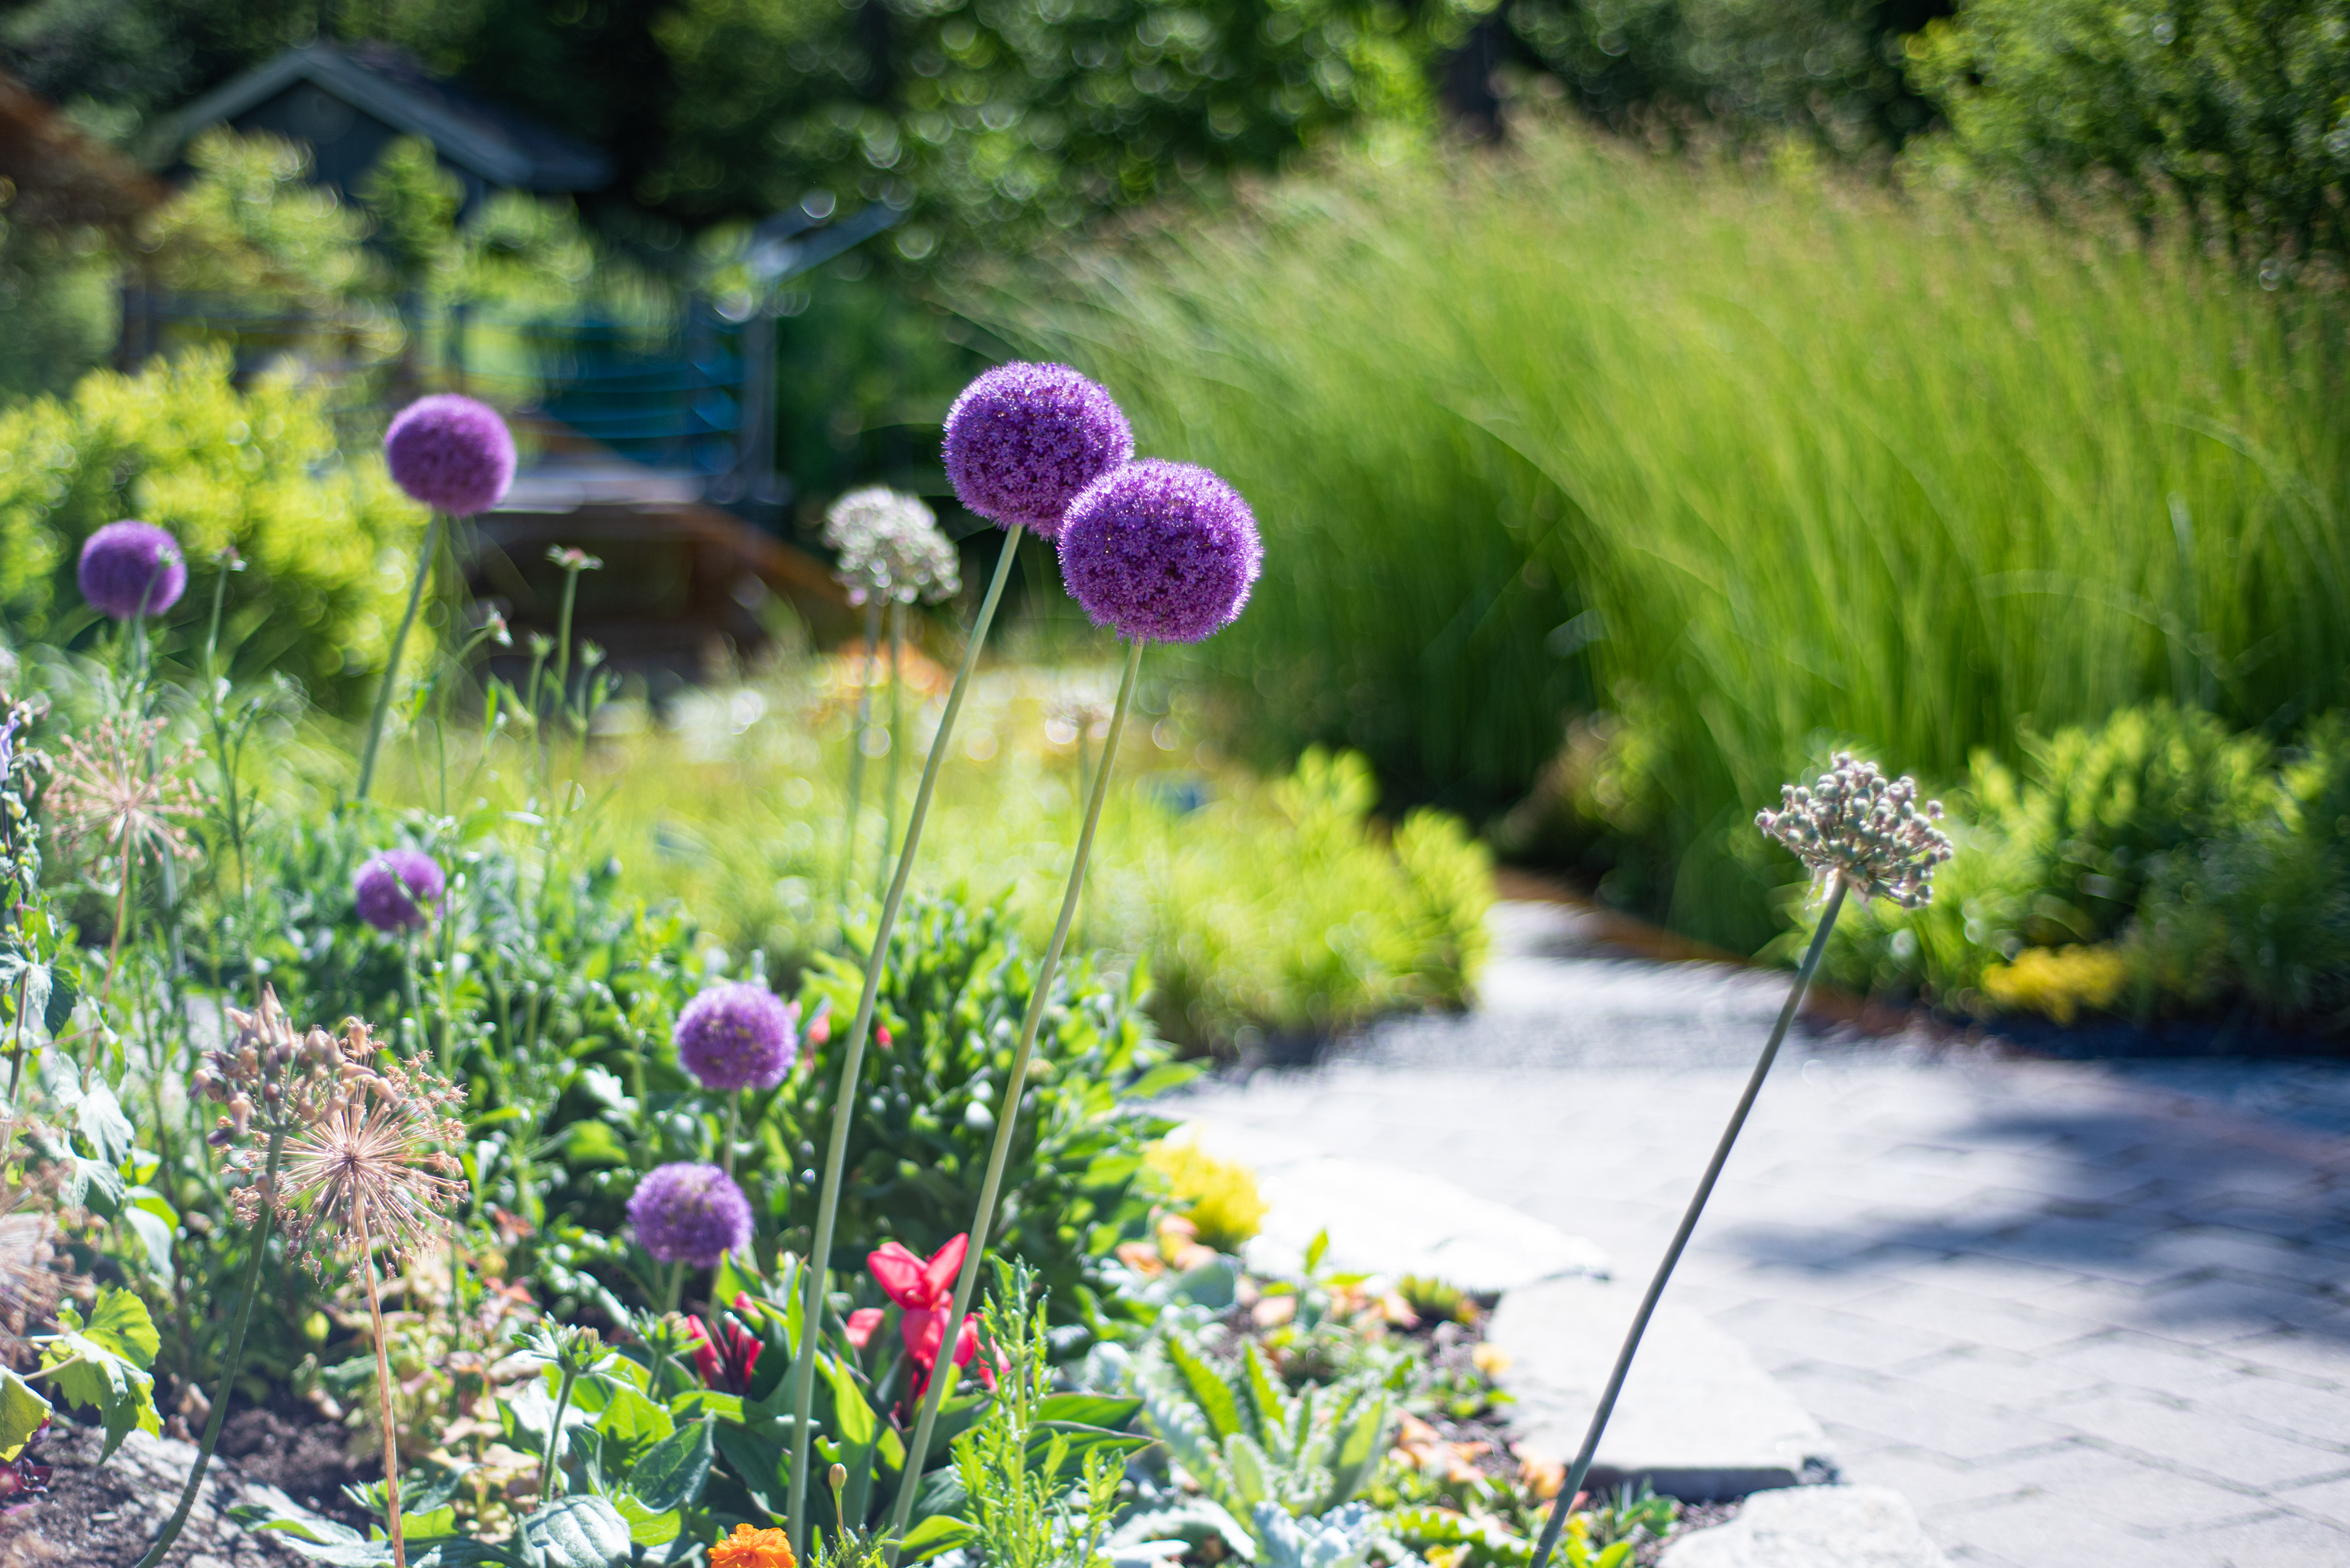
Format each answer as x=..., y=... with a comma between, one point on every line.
x=229, y=1364
x=856, y=748
x=391, y=665
x=1007, y=1112
x=1582, y=1467
x=897, y=735
x=844, y=1110
x=383, y=1393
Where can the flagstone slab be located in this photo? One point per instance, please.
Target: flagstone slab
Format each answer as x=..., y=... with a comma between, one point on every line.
x=1386, y=1220
x=1697, y=1419
x=1813, y=1527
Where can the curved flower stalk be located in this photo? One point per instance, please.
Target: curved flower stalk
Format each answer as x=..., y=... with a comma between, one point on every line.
x=456, y=456
x=1858, y=833
x=889, y=550
x=1022, y=442
x=1152, y=549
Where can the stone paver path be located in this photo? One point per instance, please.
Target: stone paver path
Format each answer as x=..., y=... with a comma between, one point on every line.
x=2083, y=1315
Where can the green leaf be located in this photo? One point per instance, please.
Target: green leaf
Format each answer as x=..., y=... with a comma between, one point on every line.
x=64, y=991
x=22, y=1412
x=937, y=1533
x=583, y=1531
x=647, y=1527
x=671, y=1475
x=852, y=1417
x=759, y=1462
x=259, y=1516
x=431, y=1525
x=696, y=1402
x=1208, y=1391
x=101, y=1121
x=120, y=1323
x=632, y=1423
x=95, y=1185
x=1316, y=1248
x=593, y=1143
x=1088, y=1409
x=155, y=1234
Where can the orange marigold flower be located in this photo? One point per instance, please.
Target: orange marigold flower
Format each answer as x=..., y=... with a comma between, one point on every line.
x=749, y=1548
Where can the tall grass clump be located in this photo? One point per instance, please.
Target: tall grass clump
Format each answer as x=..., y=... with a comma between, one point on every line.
x=1734, y=467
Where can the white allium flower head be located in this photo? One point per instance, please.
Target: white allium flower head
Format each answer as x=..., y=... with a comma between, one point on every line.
x=1854, y=823
x=889, y=546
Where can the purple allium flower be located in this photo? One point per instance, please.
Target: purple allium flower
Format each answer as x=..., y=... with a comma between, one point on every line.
x=453, y=454
x=688, y=1213
x=131, y=569
x=395, y=887
x=736, y=1036
x=1022, y=440
x=1162, y=550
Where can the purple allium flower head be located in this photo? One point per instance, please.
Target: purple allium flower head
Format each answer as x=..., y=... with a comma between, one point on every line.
x=1022, y=440
x=737, y=1036
x=131, y=569
x=688, y=1213
x=1162, y=550
x=453, y=454
x=395, y=887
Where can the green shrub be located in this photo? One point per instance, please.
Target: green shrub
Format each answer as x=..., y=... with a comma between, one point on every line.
x=1284, y=914
x=2234, y=107
x=1756, y=466
x=325, y=536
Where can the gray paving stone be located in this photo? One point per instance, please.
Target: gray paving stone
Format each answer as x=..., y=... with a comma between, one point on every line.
x=2133, y=1493
x=2281, y=1540
x=2196, y=1441
x=1696, y=1418
x=1813, y=1527
x=2193, y=1217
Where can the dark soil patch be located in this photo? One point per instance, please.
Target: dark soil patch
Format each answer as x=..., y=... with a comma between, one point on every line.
x=289, y=1446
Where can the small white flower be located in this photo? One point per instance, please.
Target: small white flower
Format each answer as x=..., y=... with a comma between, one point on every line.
x=1855, y=824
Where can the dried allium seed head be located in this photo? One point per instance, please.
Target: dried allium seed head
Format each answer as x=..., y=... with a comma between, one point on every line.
x=1855, y=825
x=107, y=790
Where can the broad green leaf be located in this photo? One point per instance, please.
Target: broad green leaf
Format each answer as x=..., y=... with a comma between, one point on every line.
x=670, y=1475
x=155, y=1234
x=100, y=1120
x=852, y=1417
x=647, y=1527
x=257, y=1516
x=593, y=1143
x=939, y=1533
x=632, y=1422
x=761, y=1463
x=696, y=1402
x=95, y=1185
x=1316, y=1248
x=583, y=1531
x=120, y=1321
x=1088, y=1409
x=22, y=1411
x=65, y=991
x=431, y=1525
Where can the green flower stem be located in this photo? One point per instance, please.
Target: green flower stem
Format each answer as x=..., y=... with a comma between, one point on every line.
x=229, y=1364
x=562, y=1405
x=897, y=735
x=1582, y=1467
x=856, y=748
x=1007, y=1113
x=843, y=1108
x=399, y=644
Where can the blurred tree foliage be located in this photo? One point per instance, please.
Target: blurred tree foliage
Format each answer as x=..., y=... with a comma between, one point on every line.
x=2239, y=108
x=1830, y=70
x=1001, y=118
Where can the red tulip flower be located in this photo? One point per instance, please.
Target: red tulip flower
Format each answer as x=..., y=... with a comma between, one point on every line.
x=924, y=1291
x=726, y=1367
